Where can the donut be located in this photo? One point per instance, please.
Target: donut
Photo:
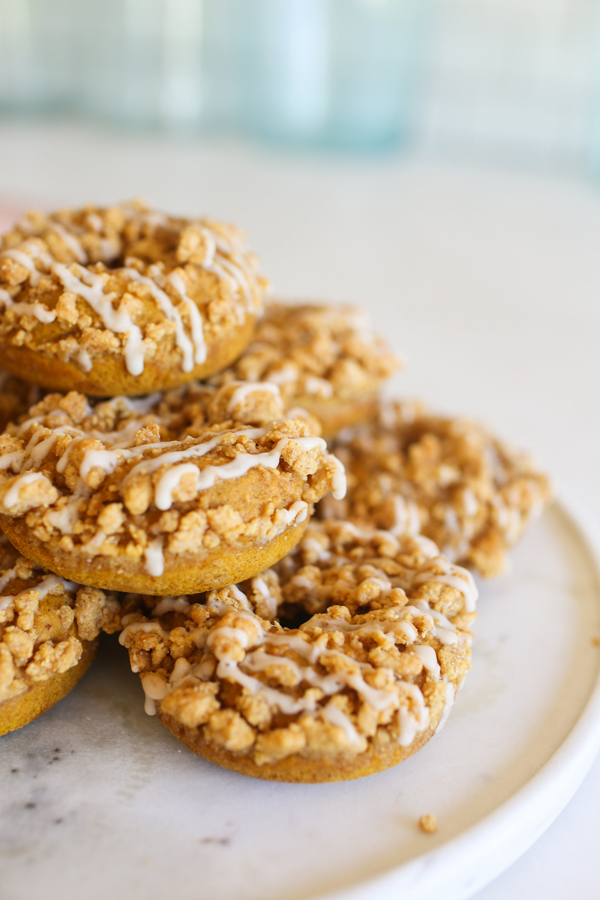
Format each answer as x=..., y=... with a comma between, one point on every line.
x=162, y=494
x=124, y=300
x=362, y=677
x=448, y=478
x=324, y=358
x=49, y=631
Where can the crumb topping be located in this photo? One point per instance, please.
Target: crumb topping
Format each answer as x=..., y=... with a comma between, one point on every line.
x=124, y=281
x=43, y=620
x=314, y=350
x=449, y=479
x=383, y=648
x=144, y=478
x=428, y=823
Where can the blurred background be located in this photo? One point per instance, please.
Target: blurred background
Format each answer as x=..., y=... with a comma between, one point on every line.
x=505, y=80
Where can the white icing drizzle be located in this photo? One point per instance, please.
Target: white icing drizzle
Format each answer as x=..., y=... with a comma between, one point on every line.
x=155, y=688
x=312, y=545
x=428, y=657
x=230, y=671
x=425, y=545
x=470, y=502
x=443, y=629
x=101, y=459
x=297, y=512
x=196, y=324
x=298, y=412
x=91, y=287
x=84, y=359
x=451, y=520
x=171, y=604
x=96, y=542
x=71, y=241
x=37, y=449
x=163, y=496
x=95, y=222
x=154, y=556
x=287, y=373
x=339, y=480
x=334, y=714
x=240, y=596
x=38, y=310
x=44, y=587
x=147, y=466
x=139, y=405
x=11, y=498
x=303, y=582
x=207, y=477
x=27, y=262
x=315, y=385
x=173, y=315
x=244, y=388
x=453, y=576
x=15, y=458
x=259, y=661
x=270, y=602
x=406, y=516
x=64, y=519
x=414, y=720
x=146, y=627
x=393, y=626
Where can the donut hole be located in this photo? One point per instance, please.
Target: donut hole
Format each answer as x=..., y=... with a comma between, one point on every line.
x=292, y=616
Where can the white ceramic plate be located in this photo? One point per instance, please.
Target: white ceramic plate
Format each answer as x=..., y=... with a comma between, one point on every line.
x=99, y=801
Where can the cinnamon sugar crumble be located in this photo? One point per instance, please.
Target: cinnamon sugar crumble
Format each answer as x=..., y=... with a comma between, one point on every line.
x=112, y=476
x=43, y=620
x=313, y=350
x=147, y=268
x=447, y=478
x=374, y=662
x=428, y=823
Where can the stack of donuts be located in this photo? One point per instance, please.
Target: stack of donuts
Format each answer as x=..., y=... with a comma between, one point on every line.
x=167, y=439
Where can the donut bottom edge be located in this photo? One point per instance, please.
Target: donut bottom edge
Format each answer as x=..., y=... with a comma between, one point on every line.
x=42, y=696
x=298, y=769
x=218, y=569
x=109, y=376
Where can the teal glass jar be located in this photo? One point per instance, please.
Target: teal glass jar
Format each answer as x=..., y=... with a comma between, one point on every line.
x=333, y=73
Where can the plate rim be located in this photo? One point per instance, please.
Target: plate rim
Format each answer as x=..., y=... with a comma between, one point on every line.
x=533, y=807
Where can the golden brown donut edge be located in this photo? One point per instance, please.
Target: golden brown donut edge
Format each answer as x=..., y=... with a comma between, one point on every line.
x=299, y=770
x=109, y=376
x=218, y=569
x=40, y=697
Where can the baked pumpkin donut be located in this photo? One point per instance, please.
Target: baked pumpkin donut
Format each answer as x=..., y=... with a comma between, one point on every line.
x=48, y=636
x=448, y=478
x=163, y=494
x=124, y=300
x=361, y=684
x=324, y=359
